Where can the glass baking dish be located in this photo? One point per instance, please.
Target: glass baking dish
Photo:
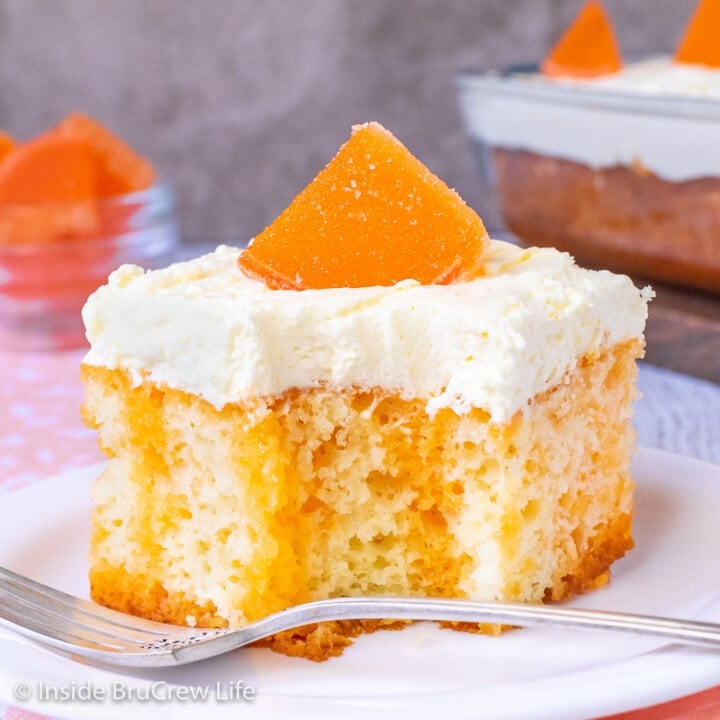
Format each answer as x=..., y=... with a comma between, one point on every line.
x=626, y=181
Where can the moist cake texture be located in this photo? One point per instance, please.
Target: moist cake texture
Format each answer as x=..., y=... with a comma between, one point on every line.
x=268, y=447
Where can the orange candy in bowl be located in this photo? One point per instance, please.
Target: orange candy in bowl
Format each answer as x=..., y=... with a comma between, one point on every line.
x=75, y=202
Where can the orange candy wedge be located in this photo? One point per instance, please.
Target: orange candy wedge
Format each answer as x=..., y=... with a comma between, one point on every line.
x=47, y=190
x=48, y=169
x=587, y=49
x=374, y=216
x=701, y=43
x=6, y=145
x=120, y=169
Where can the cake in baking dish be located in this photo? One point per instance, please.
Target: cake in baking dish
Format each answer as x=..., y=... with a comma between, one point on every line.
x=462, y=435
x=616, y=163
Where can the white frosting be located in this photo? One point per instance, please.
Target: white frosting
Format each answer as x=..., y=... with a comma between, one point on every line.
x=655, y=76
x=493, y=343
x=662, y=114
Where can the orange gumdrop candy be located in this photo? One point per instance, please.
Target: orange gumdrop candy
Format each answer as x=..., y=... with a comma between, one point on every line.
x=701, y=43
x=120, y=169
x=374, y=216
x=587, y=49
x=48, y=169
x=6, y=145
x=47, y=190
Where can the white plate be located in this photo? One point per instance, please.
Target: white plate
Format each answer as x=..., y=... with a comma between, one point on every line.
x=422, y=671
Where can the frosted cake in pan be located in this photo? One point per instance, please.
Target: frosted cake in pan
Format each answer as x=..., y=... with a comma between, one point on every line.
x=620, y=168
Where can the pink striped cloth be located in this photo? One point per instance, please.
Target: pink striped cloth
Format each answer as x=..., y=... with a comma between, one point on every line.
x=15, y=713
x=41, y=433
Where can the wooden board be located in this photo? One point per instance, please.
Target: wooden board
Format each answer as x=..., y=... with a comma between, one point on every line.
x=683, y=331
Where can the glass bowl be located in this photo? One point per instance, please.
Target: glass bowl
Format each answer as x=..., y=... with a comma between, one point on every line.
x=629, y=181
x=53, y=256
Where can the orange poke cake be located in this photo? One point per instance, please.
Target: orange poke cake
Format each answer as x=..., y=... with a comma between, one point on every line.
x=372, y=398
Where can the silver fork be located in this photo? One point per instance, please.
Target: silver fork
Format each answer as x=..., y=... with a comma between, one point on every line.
x=83, y=629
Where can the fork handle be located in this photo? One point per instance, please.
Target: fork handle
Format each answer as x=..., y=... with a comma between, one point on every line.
x=674, y=630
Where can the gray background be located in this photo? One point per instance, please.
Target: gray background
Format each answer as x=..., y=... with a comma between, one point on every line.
x=240, y=102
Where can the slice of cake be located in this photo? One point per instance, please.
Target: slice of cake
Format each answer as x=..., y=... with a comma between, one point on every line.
x=464, y=436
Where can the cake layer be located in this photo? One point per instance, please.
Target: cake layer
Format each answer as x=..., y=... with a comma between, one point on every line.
x=491, y=344
x=593, y=213
x=213, y=516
